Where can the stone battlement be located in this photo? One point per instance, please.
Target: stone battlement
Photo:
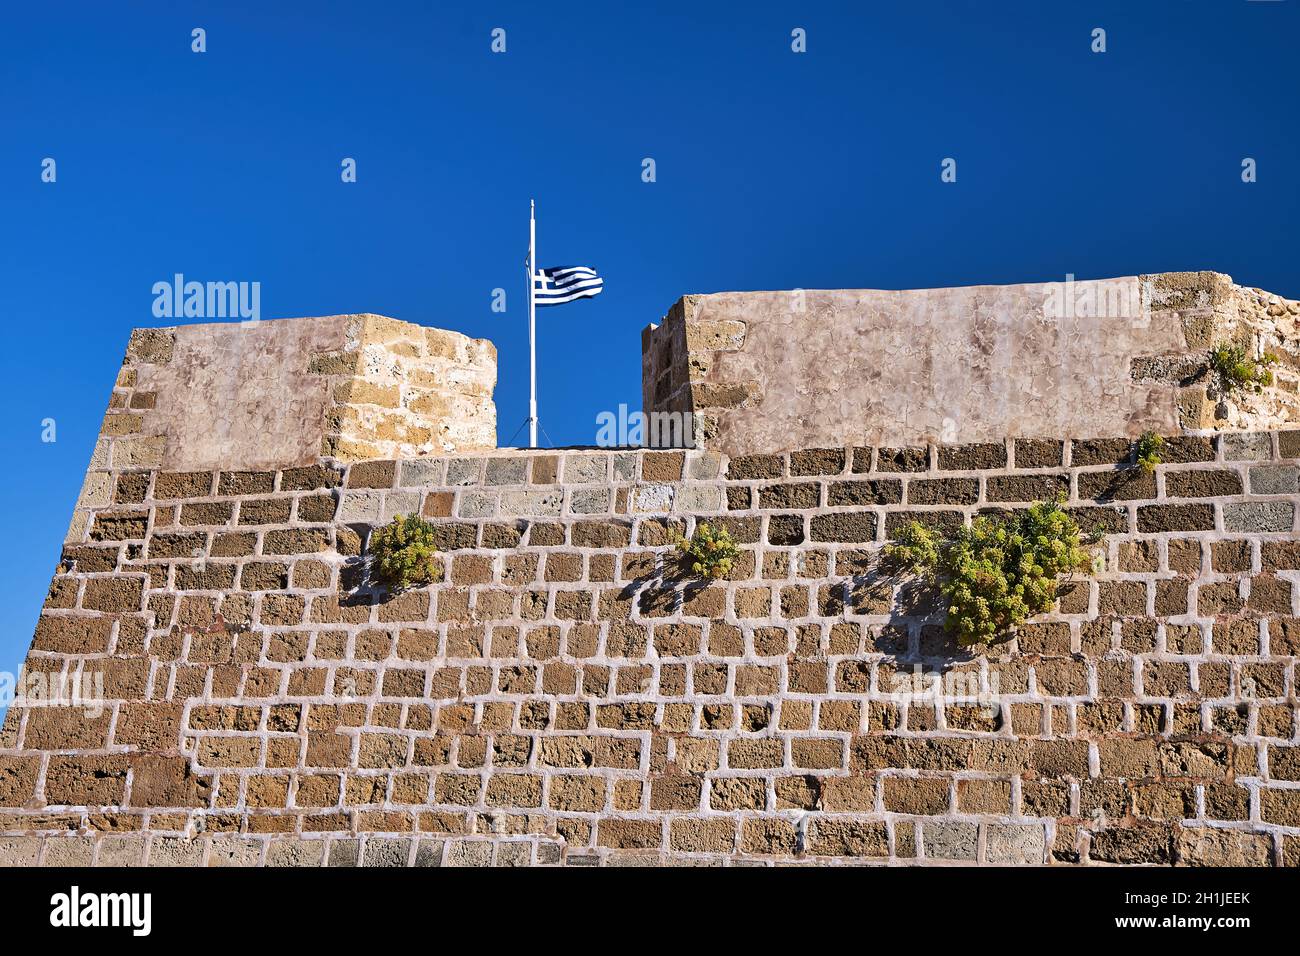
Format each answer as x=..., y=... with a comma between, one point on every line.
x=284, y=392
x=777, y=371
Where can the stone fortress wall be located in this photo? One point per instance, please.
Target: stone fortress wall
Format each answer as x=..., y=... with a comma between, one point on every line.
x=563, y=695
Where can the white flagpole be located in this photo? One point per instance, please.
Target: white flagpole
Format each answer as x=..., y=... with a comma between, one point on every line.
x=532, y=323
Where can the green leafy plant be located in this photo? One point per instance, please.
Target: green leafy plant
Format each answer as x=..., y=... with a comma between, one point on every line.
x=998, y=571
x=710, y=551
x=403, y=553
x=1238, y=369
x=1148, y=450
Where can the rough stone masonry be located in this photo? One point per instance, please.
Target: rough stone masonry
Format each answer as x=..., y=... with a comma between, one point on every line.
x=562, y=695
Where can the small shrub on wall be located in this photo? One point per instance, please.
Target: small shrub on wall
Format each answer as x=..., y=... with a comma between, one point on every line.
x=1148, y=451
x=1239, y=370
x=997, y=572
x=710, y=551
x=403, y=554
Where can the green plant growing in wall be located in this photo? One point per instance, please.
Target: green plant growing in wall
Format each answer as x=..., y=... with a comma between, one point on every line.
x=997, y=572
x=1238, y=369
x=403, y=553
x=1148, y=449
x=710, y=551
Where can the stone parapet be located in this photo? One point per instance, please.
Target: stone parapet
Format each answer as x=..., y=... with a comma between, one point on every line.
x=776, y=371
x=285, y=392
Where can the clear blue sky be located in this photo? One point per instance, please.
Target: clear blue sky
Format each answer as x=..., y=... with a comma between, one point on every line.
x=775, y=170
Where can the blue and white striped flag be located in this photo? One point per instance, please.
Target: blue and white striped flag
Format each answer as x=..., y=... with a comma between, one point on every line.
x=564, y=284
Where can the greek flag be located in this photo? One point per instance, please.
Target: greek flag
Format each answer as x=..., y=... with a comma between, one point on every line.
x=564, y=284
